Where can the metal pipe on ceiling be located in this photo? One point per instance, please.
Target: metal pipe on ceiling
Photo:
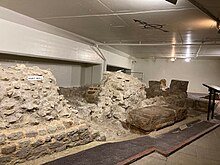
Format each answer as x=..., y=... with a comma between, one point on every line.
x=156, y=44
x=116, y=13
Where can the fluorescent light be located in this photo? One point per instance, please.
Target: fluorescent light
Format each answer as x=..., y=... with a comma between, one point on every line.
x=187, y=59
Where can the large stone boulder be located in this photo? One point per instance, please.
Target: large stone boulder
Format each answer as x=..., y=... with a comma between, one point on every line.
x=178, y=86
x=162, y=108
x=155, y=117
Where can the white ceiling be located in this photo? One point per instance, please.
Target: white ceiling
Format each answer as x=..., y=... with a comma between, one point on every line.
x=192, y=33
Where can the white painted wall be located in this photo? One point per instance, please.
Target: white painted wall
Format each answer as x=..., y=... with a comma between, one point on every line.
x=21, y=40
x=23, y=36
x=67, y=75
x=91, y=74
x=196, y=72
x=117, y=60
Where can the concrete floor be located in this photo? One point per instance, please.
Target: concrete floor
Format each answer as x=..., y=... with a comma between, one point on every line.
x=204, y=151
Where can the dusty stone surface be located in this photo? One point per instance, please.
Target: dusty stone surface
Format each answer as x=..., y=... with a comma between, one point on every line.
x=152, y=117
x=35, y=119
x=121, y=98
x=197, y=102
x=164, y=107
x=178, y=86
x=25, y=101
x=118, y=93
x=92, y=94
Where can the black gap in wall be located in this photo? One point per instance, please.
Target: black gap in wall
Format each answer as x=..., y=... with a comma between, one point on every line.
x=115, y=68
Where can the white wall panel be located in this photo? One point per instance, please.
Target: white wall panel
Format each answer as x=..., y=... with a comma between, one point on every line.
x=67, y=75
x=117, y=60
x=196, y=72
x=19, y=39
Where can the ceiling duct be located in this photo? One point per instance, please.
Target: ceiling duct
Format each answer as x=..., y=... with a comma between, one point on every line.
x=172, y=1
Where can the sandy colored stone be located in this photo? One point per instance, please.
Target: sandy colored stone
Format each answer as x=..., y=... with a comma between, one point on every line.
x=8, y=149
x=25, y=101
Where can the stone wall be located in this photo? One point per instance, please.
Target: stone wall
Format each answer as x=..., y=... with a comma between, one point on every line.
x=35, y=119
x=29, y=96
x=20, y=145
x=105, y=106
x=119, y=94
x=197, y=102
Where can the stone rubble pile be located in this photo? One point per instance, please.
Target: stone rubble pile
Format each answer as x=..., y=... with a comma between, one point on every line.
x=119, y=94
x=122, y=101
x=109, y=102
x=34, y=119
x=29, y=96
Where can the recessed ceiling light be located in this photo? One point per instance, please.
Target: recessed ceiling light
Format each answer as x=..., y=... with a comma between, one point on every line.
x=187, y=59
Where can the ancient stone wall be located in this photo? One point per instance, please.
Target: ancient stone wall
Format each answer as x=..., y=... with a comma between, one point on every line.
x=119, y=94
x=20, y=145
x=29, y=96
x=34, y=119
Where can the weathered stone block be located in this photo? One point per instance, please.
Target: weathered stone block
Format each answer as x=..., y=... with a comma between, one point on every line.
x=180, y=113
x=72, y=132
x=154, y=117
x=8, y=149
x=23, y=153
x=15, y=136
x=55, y=144
x=101, y=138
x=60, y=127
x=39, y=150
x=68, y=124
x=82, y=129
x=51, y=129
x=60, y=136
x=2, y=139
x=92, y=93
x=42, y=132
x=38, y=142
x=31, y=133
x=48, y=138
x=62, y=148
x=74, y=137
x=24, y=143
x=5, y=159
x=178, y=86
x=154, y=85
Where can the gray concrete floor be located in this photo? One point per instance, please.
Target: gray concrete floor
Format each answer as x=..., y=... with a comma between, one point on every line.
x=204, y=151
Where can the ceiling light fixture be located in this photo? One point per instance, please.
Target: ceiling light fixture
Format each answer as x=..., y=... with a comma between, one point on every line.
x=173, y=59
x=172, y=1
x=187, y=59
